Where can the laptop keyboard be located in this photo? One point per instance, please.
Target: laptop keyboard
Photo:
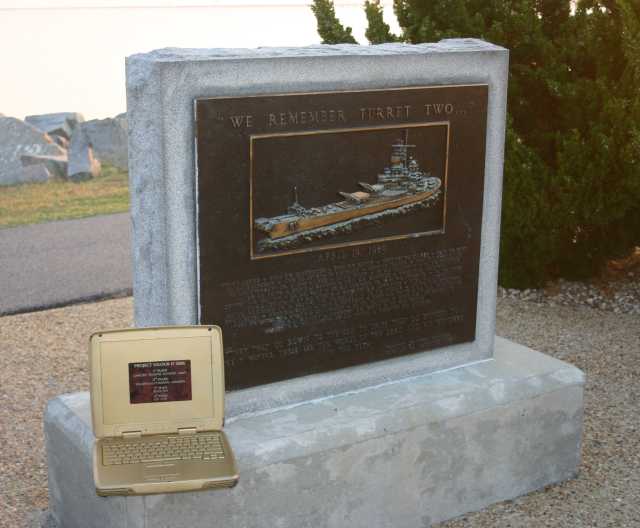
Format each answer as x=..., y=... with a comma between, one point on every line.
x=201, y=446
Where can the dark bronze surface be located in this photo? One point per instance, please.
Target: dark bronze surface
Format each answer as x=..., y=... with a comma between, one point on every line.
x=401, y=280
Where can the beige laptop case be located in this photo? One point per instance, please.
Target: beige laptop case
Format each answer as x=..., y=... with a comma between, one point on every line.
x=149, y=384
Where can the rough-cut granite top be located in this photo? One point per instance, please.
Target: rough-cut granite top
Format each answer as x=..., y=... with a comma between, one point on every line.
x=318, y=50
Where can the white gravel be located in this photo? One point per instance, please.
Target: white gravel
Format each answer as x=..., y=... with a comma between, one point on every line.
x=620, y=296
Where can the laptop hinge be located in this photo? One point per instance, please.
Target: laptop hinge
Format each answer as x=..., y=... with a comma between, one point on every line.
x=131, y=434
x=187, y=430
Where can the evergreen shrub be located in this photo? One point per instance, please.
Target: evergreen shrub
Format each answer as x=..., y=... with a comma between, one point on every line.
x=571, y=197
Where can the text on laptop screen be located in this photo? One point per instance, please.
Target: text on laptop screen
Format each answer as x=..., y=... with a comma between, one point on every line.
x=160, y=381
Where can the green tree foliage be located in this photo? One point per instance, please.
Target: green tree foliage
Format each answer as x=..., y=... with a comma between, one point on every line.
x=329, y=27
x=571, y=195
x=378, y=30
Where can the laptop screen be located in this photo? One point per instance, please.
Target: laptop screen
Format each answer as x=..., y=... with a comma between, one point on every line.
x=159, y=379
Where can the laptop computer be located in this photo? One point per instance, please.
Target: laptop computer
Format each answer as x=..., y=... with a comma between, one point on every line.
x=157, y=405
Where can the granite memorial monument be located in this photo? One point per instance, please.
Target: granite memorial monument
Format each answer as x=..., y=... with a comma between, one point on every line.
x=336, y=210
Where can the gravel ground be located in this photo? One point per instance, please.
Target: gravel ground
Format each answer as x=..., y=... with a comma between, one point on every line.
x=619, y=296
x=43, y=354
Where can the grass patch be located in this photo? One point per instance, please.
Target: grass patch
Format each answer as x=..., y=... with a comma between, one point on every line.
x=32, y=203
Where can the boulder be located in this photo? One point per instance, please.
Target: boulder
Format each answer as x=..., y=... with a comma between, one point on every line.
x=56, y=165
x=18, y=138
x=59, y=124
x=109, y=139
x=82, y=163
x=35, y=174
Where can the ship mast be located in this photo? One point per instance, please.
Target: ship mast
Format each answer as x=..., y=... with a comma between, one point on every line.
x=399, y=155
x=398, y=171
x=406, y=142
x=295, y=207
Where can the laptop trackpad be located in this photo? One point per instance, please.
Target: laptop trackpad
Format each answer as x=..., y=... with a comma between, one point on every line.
x=161, y=472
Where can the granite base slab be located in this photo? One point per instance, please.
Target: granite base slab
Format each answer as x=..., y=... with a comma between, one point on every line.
x=407, y=453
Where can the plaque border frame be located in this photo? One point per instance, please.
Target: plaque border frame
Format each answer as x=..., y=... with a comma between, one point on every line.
x=324, y=247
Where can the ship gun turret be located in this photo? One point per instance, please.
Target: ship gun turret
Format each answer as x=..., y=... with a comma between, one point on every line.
x=357, y=197
x=375, y=188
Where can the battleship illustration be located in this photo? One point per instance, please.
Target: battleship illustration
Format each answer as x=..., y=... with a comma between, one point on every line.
x=400, y=189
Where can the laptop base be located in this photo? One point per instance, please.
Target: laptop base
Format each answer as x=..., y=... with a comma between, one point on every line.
x=162, y=475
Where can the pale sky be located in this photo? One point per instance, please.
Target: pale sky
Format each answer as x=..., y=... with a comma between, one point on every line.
x=68, y=55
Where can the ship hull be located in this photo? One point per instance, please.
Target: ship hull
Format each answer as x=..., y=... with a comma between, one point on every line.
x=347, y=227
x=288, y=228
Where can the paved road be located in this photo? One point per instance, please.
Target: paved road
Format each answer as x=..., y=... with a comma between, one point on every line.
x=58, y=263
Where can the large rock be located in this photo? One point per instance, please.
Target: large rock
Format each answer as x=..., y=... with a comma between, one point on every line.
x=82, y=163
x=17, y=139
x=59, y=124
x=56, y=165
x=109, y=139
x=36, y=173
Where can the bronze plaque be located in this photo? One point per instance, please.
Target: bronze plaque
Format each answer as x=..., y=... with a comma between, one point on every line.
x=339, y=228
